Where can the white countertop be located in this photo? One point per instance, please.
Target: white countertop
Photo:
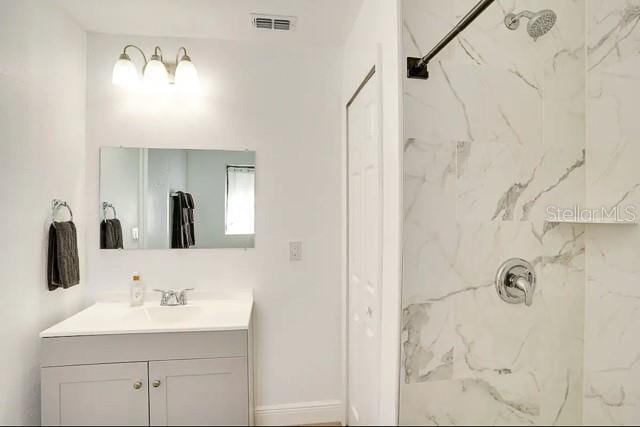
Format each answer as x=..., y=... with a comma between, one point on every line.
x=203, y=313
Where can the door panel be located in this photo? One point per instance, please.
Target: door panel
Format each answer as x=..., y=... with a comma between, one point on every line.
x=199, y=392
x=364, y=175
x=95, y=395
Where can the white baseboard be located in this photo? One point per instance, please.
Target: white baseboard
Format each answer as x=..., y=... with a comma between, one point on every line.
x=297, y=414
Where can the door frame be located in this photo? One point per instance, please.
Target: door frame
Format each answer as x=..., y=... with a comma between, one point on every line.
x=373, y=71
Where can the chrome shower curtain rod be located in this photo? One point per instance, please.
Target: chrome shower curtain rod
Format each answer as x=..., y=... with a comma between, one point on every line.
x=417, y=67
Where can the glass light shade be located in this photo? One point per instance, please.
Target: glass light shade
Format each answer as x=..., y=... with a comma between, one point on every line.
x=124, y=72
x=186, y=75
x=155, y=74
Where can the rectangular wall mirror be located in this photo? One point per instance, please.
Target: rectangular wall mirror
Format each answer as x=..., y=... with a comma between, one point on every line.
x=156, y=198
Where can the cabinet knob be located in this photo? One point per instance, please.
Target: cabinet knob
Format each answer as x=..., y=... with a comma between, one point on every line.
x=137, y=385
x=156, y=383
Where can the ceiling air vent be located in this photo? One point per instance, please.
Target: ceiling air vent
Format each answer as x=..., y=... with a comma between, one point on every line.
x=273, y=22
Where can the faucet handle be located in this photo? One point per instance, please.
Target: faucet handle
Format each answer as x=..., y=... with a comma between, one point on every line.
x=172, y=297
x=166, y=294
x=182, y=295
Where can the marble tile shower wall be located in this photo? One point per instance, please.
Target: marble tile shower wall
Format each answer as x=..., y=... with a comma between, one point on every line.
x=501, y=131
x=495, y=136
x=612, y=323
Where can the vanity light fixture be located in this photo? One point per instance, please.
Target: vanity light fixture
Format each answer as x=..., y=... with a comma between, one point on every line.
x=186, y=73
x=124, y=72
x=156, y=73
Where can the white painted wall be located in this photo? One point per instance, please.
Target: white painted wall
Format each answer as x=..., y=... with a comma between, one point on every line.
x=285, y=104
x=375, y=40
x=42, y=156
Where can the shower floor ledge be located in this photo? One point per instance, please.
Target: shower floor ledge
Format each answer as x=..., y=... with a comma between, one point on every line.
x=593, y=222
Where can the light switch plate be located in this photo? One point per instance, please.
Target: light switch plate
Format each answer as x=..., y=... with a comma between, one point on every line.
x=295, y=251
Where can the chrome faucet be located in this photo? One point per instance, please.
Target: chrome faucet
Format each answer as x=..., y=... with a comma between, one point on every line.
x=171, y=298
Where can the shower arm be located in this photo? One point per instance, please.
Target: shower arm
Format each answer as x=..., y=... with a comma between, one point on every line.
x=513, y=20
x=417, y=67
x=525, y=14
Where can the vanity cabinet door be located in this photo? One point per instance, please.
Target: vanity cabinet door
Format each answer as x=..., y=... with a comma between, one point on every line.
x=112, y=394
x=199, y=392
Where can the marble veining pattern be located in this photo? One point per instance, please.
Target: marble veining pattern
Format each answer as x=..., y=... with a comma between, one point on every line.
x=492, y=138
x=612, y=340
x=503, y=128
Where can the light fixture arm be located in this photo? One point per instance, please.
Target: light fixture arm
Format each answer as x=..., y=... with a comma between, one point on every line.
x=155, y=55
x=185, y=56
x=124, y=52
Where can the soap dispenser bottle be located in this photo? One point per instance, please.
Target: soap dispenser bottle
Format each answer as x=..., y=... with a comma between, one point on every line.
x=137, y=291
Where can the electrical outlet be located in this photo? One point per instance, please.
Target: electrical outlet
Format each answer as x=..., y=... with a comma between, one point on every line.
x=295, y=251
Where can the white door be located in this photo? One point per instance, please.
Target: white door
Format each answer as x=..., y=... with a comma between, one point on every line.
x=111, y=395
x=199, y=392
x=364, y=266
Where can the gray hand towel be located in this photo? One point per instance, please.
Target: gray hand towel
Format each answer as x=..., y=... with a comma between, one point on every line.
x=182, y=232
x=111, y=234
x=116, y=231
x=63, y=264
x=192, y=223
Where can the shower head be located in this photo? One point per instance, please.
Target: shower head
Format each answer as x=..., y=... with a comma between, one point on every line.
x=539, y=22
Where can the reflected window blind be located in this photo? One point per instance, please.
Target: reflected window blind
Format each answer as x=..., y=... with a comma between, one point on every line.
x=240, y=208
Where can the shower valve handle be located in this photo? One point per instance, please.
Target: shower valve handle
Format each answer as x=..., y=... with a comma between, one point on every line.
x=516, y=282
x=523, y=285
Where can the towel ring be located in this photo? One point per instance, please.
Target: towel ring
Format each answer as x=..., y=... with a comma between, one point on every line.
x=107, y=205
x=57, y=204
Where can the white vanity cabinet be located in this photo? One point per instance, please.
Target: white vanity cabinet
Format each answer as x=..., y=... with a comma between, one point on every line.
x=199, y=392
x=181, y=378
x=81, y=395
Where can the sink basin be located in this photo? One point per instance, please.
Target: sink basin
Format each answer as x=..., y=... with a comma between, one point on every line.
x=111, y=318
x=166, y=315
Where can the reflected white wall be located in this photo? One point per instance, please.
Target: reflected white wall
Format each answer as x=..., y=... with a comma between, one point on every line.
x=120, y=185
x=166, y=173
